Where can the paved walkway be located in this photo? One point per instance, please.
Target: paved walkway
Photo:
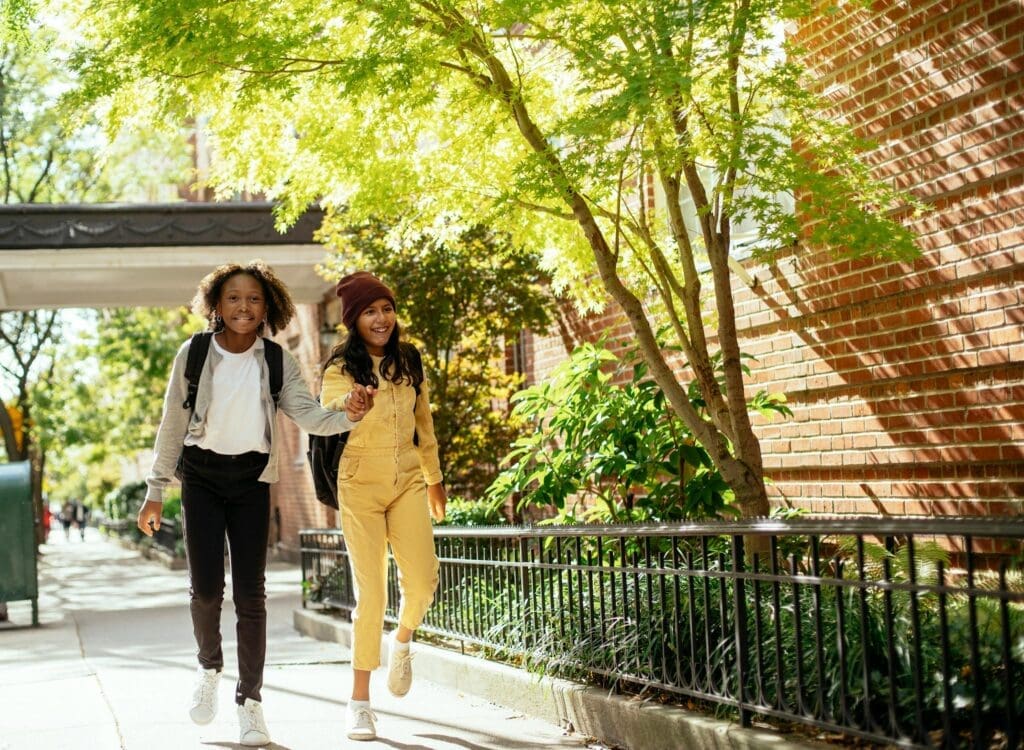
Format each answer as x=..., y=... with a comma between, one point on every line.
x=112, y=663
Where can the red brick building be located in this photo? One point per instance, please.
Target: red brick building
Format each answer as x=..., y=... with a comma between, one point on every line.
x=906, y=379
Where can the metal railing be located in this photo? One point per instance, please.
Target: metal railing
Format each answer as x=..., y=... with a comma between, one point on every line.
x=904, y=631
x=166, y=536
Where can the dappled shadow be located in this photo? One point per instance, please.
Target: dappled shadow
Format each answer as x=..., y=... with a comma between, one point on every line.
x=915, y=393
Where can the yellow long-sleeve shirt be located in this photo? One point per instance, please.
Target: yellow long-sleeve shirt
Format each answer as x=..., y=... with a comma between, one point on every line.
x=393, y=419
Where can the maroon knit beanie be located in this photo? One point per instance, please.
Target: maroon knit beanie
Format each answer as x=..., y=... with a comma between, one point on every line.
x=357, y=291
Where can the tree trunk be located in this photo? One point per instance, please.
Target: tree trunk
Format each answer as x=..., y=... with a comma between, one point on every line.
x=38, y=464
x=741, y=472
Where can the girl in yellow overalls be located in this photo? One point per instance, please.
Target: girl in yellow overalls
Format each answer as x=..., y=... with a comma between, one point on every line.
x=388, y=478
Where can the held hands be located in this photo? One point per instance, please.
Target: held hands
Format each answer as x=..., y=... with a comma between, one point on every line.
x=149, y=517
x=437, y=499
x=359, y=401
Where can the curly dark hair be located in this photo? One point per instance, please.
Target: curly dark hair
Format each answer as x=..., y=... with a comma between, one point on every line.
x=280, y=308
x=401, y=363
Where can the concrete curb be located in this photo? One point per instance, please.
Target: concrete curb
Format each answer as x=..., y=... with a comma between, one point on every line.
x=612, y=719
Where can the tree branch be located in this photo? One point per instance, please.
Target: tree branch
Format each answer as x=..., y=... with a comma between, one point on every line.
x=43, y=175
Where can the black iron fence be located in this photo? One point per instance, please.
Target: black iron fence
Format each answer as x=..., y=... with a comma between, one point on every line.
x=901, y=631
x=166, y=537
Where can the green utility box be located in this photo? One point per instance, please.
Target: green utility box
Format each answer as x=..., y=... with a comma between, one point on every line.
x=18, y=577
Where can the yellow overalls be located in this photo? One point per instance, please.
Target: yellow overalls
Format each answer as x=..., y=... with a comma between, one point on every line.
x=382, y=496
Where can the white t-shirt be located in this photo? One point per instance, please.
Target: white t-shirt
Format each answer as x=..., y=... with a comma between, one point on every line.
x=235, y=422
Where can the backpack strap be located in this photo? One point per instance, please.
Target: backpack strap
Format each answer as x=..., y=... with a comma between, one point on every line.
x=197, y=350
x=200, y=347
x=274, y=356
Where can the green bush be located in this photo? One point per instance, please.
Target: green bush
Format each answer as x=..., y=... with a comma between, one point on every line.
x=172, y=505
x=620, y=450
x=124, y=502
x=463, y=512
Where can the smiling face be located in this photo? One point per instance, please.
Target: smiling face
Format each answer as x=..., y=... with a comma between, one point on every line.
x=242, y=304
x=375, y=324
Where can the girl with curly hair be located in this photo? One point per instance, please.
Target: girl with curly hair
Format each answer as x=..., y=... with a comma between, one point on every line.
x=219, y=439
x=388, y=479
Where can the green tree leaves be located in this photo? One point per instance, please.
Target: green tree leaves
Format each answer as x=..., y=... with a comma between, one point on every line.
x=623, y=142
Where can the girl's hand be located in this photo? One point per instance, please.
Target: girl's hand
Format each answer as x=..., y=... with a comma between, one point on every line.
x=359, y=401
x=437, y=499
x=149, y=517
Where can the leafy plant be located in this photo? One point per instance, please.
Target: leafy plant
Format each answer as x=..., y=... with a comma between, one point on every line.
x=606, y=446
x=464, y=512
x=124, y=502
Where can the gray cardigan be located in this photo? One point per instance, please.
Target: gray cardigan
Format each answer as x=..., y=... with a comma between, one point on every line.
x=295, y=401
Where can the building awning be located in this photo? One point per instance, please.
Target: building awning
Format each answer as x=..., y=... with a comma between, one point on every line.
x=145, y=255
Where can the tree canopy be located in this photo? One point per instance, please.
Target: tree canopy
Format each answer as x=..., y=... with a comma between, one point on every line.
x=555, y=121
x=102, y=399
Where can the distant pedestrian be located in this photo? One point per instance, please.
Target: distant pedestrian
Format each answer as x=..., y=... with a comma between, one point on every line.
x=81, y=515
x=389, y=477
x=67, y=515
x=220, y=438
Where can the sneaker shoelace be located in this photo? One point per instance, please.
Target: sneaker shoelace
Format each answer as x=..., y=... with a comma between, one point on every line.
x=364, y=718
x=253, y=717
x=403, y=664
x=204, y=690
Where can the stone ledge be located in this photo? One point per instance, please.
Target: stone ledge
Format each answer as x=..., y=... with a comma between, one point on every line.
x=615, y=720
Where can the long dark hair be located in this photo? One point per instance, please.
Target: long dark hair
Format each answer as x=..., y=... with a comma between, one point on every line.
x=401, y=363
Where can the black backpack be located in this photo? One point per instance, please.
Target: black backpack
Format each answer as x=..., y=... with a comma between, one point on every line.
x=325, y=451
x=200, y=347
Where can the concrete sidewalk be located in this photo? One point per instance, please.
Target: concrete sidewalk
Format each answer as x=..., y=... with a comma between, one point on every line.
x=111, y=667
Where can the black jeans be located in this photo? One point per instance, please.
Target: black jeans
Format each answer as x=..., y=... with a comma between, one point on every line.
x=222, y=494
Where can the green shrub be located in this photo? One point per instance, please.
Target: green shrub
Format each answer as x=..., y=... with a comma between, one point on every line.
x=172, y=505
x=124, y=502
x=619, y=450
x=463, y=512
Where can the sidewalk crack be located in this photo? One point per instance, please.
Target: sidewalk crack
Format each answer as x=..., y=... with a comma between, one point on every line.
x=99, y=683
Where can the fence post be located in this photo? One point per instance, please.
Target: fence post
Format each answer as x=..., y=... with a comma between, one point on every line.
x=526, y=590
x=740, y=619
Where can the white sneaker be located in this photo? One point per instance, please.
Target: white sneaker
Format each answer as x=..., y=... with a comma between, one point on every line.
x=359, y=723
x=253, y=730
x=204, y=698
x=399, y=670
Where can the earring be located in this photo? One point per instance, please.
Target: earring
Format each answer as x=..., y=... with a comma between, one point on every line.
x=218, y=321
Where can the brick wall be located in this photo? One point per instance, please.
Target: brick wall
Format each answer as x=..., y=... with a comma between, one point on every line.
x=293, y=503
x=545, y=350
x=906, y=379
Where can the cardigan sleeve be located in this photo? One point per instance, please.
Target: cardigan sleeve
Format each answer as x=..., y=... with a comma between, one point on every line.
x=297, y=402
x=170, y=436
